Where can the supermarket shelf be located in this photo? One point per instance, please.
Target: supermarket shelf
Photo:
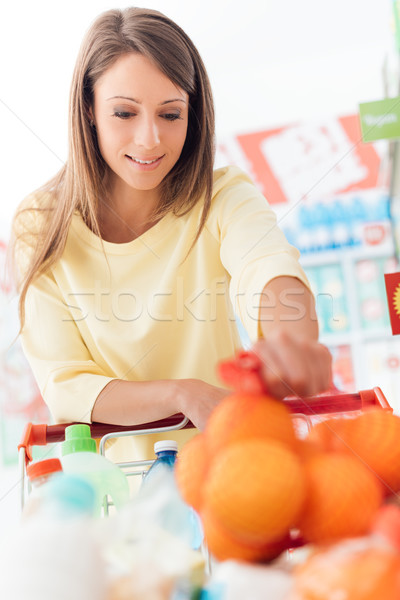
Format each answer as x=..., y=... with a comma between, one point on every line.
x=350, y=293
x=349, y=337
x=348, y=253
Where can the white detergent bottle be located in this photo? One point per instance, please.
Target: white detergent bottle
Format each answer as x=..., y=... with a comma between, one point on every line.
x=80, y=457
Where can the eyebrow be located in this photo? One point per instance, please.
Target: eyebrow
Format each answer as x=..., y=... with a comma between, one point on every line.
x=138, y=101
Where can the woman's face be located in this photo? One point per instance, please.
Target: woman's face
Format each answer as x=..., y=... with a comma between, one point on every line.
x=141, y=119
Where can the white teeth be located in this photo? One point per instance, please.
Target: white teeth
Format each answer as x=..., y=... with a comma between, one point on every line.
x=144, y=162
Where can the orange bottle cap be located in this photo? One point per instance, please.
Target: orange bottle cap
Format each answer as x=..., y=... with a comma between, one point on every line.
x=43, y=467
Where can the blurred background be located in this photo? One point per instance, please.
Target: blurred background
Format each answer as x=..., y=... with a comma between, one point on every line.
x=287, y=78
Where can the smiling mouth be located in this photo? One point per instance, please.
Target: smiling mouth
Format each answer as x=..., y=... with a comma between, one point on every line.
x=145, y=162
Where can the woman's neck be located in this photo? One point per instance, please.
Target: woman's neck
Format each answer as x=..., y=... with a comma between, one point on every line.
x=127, y=214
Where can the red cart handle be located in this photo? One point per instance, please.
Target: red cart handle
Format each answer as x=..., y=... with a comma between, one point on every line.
x=243, y=373
x=41, y=435
x=338, y=402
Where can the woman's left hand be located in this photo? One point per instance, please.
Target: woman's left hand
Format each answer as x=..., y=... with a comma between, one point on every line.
x=293, y=365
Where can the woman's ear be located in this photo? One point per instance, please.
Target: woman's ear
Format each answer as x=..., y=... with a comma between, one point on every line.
x=90, y=116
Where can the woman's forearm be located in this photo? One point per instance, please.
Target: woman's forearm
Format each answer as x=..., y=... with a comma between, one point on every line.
x=287, y=304
x=293, y=362
x=133, y=402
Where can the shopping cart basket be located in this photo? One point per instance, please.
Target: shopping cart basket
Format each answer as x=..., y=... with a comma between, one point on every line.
x=42, y=435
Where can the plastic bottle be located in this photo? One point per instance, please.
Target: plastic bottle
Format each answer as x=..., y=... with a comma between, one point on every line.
x=39, y=474
x=175, y=515
x=41, y=471
x=79, y=457
x=68, y=496
x=166, y=452
x=55, y=553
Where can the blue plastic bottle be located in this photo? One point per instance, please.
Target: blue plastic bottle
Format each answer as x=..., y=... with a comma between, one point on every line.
x=166, y=452
x=176, y=516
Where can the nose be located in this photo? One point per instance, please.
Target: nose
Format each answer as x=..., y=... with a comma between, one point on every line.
x=146, y=132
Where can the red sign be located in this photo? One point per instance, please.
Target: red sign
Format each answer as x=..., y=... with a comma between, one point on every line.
x=392, y=283
x=307, y=160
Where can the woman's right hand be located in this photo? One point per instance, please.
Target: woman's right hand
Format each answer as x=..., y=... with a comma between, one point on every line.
x=196, y=399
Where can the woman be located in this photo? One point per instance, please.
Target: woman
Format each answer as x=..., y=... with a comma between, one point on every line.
x=135, y=258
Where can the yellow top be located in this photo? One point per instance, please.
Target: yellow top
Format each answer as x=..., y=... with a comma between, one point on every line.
x=146, y=310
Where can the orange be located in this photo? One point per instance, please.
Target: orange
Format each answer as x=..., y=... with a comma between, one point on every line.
x=306, y=449
x=342, y=498
x=329, y=434
x=365, y=572
x=374, y=438
x=223, y=545
x=255, y=489
x=191, y=470
x=243, y=416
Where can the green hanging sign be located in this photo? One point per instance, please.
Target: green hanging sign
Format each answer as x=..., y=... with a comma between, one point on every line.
x=380, y=120
x=396, y=18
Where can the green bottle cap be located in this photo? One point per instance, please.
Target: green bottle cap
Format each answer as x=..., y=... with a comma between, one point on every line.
x=78, y=439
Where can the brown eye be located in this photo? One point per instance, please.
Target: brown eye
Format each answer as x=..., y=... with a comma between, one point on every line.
x=171, y=116
x=122, y=114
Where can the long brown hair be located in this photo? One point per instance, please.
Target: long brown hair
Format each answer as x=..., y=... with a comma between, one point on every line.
x=79, y=185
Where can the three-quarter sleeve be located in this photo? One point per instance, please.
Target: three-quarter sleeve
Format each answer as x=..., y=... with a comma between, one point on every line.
x=68, y=377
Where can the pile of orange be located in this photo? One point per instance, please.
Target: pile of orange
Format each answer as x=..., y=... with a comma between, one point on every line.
x=244, y=478
x=254, y=483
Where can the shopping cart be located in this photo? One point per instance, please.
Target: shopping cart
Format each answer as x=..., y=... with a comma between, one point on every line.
x=304, y=410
